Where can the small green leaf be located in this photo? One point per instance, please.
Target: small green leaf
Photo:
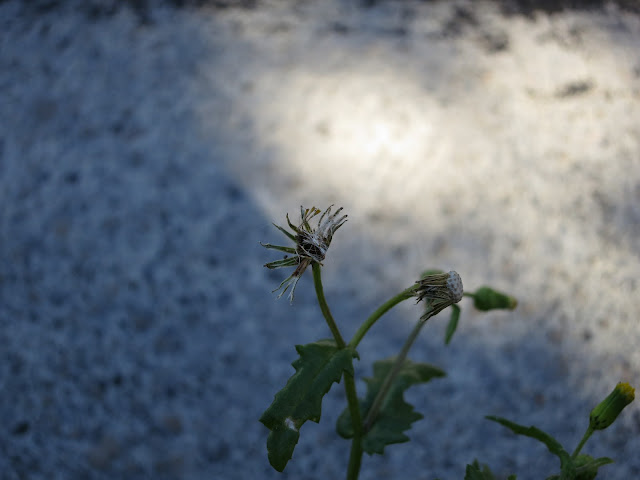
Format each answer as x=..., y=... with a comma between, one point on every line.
x=474, y=472
x=320, y=365
x=486, y=298
x=396, y=415
x=285, y=262
x=290, y=235
x=552, y=444
x=279, y=247
x=453, y=323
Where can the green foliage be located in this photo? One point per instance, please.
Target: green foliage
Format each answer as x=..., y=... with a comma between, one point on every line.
x=476, y=472
x=320, y=365
x=453, y=323
x=585, y=467
x=552, y=444
x=396, y=415
x=576, y=467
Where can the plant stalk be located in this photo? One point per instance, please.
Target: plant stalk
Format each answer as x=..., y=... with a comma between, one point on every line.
x=585, y=437
x=317, y=282
x=393, y=373
x=380, y=311
x=355, y=456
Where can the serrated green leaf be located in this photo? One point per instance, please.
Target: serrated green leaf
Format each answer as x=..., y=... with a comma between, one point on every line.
x=320, y=365
x=280, y=445
x=453, y=323
x=396, y=415
x=533, y=432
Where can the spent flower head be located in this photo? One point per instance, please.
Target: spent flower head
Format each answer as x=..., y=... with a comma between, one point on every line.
x=311, y=244
x=439, y=291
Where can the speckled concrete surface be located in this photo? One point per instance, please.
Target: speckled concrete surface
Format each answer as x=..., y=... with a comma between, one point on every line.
x=144, y=153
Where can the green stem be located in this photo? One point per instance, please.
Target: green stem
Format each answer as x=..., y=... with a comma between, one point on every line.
x=585, y=437
x=317, y=281
x=355, y=457
x=381, y=310
x=393, y=373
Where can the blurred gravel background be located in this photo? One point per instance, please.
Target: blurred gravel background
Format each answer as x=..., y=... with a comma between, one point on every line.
x=146, y=147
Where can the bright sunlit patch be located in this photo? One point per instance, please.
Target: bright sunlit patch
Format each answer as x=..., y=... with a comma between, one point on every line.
x=352, y=130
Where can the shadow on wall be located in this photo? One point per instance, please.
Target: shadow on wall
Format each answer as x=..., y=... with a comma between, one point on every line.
x=127, y=259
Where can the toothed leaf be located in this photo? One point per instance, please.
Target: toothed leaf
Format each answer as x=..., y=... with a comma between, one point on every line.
x=320, y=365
x=396, y=415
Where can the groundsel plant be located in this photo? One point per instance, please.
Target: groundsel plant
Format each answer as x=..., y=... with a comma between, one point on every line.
x=380, y=417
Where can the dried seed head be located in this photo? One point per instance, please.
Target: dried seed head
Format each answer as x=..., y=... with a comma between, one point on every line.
x=440, y=286
x=439, y=291
x=311, y=243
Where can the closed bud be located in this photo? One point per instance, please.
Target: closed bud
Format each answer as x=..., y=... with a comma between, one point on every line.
x=608, y=410
x=486, y=298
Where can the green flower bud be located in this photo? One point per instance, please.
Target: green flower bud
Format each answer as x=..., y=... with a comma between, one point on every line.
x=486, y=298
x=608, y=410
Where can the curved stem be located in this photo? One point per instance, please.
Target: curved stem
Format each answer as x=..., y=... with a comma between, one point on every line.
x=381, y=310
x=317, y=282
